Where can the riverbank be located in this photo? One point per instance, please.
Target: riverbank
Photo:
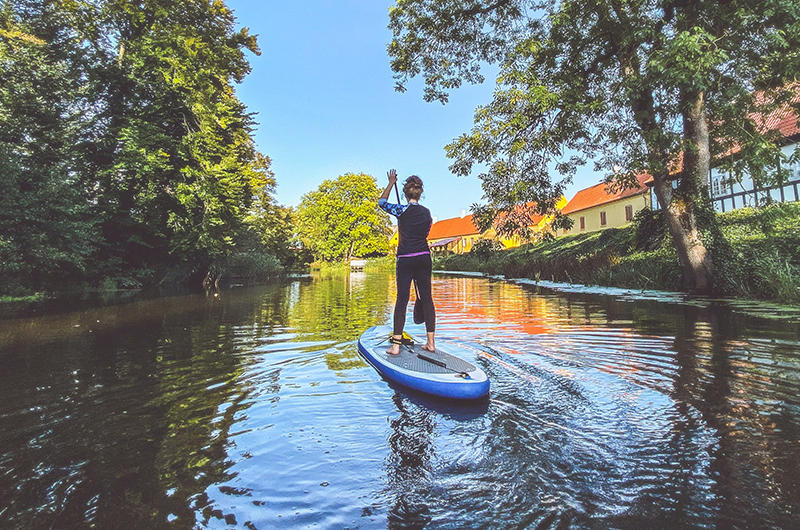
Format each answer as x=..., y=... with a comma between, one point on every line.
x=765, y=245
x=343, y=266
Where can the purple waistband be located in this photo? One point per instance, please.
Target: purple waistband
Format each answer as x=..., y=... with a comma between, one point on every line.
x=414, y=254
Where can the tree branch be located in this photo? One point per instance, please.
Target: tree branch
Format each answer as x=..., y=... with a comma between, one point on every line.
x=477, y=10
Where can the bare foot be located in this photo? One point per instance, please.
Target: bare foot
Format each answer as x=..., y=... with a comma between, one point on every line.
x=394, y=349
x=429, y=347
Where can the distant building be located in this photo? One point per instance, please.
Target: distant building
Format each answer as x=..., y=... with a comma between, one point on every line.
x=457, y=235
x=727, y=192
x=595, y=208
x=536, y=224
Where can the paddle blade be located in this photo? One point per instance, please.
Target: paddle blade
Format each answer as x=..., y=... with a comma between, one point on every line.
x=419, y=312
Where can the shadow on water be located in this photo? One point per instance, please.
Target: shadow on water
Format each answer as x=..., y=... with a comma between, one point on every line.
x=253, y=409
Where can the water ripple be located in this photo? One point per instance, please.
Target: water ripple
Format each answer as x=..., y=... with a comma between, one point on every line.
x=255, y=410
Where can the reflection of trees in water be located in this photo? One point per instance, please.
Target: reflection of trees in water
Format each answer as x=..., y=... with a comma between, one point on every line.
x=738, y=393
x=340, y=310
x=346, y=305
x=136, y=405
x=204, y=399
x=408, y=466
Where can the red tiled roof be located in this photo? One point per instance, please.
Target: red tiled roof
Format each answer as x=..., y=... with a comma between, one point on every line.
x=597, y=195
x=458, y=226
x=522, y=213
x=783, y=120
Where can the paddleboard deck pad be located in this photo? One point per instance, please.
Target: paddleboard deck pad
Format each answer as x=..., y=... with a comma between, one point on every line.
x=437, y=373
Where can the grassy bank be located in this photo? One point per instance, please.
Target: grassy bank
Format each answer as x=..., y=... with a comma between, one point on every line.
x=765, y=250
x=334, y=266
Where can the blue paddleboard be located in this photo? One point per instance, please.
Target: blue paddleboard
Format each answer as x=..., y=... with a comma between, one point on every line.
x=437, y=373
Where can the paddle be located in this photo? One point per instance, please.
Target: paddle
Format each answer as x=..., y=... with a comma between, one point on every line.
x=419, y=309
x=443, y=364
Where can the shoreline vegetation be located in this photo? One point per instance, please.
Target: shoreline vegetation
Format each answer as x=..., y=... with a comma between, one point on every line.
x=763, y=247
x=761, y=256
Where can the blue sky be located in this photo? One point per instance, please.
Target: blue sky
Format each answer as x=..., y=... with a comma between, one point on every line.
x=325, y=101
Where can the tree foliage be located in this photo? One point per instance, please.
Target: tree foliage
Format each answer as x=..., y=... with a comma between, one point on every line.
x=341, y=219
x=131, y=106
x=652, y=86
x=45, y=233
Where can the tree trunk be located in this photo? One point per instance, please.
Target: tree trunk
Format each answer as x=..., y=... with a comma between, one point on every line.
x=679, y=212
x=681, y=206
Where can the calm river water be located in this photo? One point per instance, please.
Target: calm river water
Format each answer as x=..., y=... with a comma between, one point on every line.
x=253, y=409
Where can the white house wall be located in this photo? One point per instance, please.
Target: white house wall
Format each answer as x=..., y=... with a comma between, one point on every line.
x=728, y=196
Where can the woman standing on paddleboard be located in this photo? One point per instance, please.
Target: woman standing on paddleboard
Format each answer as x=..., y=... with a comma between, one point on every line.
x=413, y=257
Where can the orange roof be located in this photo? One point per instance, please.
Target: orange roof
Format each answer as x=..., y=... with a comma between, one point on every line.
x=458, y=226
x=597, y=195
x=522, y=213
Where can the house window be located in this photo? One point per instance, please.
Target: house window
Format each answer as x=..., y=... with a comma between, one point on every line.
x=715, y=187
x=629, y=213
x=583, y=223
x=602, y=218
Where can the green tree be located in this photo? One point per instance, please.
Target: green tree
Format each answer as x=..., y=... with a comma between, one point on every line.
x=273, y=222
x=123, y=115
x=341, y=219
x=173, y=158
x=46, y=234
x=652, y=86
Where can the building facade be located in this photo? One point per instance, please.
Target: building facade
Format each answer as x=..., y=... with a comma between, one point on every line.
x=453, y=236
x=596, y=208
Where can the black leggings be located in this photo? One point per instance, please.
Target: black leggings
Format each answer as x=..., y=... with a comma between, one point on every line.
x=408, y=269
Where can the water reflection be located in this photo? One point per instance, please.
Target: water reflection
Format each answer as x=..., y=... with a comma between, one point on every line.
x=408, y=466
x=252, y=409
x=751, y=408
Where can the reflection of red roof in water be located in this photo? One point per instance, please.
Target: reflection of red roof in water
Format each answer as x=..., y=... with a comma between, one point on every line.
x=514, y=309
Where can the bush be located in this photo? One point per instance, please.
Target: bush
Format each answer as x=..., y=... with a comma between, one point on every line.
x=650, y=229
x=486, y=246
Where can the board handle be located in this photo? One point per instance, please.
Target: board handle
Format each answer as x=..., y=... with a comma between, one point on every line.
x=437, y=362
